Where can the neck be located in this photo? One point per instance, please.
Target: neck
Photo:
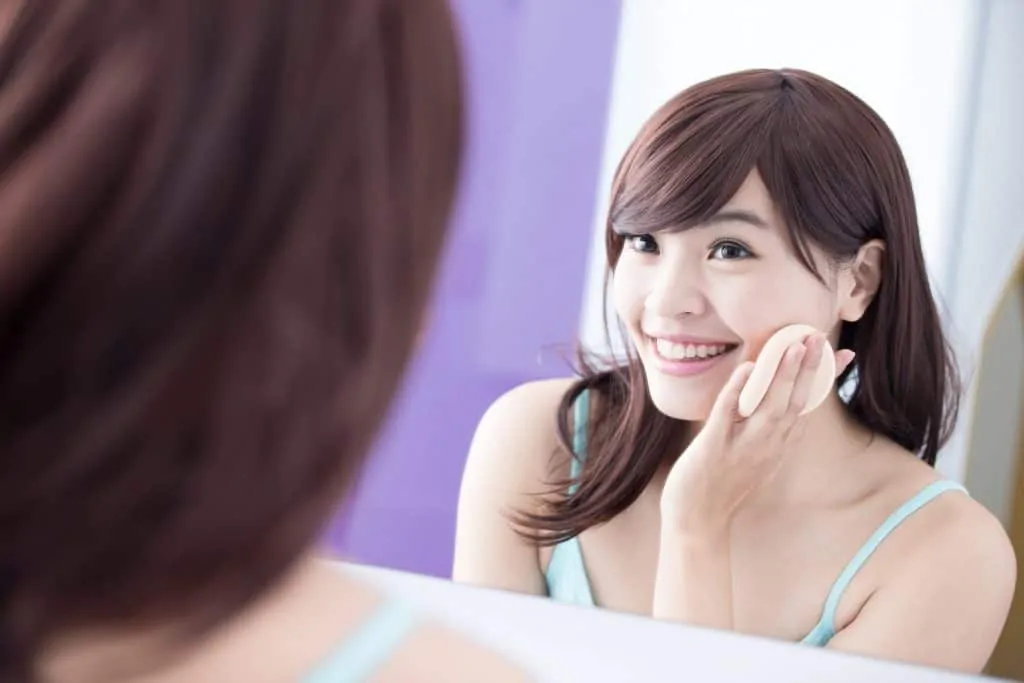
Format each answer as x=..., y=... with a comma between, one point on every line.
x=823, y=441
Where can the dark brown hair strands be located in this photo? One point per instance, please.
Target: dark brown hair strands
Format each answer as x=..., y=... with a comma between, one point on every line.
x=221, y=221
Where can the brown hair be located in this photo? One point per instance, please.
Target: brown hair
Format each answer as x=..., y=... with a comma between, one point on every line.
x=838, y=179
x=220, y=223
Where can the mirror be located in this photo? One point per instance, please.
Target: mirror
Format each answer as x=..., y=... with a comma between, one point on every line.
x=532, y=632
x=558, y=92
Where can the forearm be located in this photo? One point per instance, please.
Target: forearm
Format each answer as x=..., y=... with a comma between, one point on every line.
x=693, y=583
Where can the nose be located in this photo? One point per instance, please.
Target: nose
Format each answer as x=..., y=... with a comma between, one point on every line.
x=677, y=292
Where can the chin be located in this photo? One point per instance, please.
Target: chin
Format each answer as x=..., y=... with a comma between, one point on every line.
x=681, y=401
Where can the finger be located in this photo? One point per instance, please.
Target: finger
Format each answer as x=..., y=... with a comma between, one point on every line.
x=844, y=357
x=725, y=410
x=806, y=374
x=776, y=400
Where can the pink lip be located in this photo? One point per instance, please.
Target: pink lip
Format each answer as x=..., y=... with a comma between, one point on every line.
x=686, y=368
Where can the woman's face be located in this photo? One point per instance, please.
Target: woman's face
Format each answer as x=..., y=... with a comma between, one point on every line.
x=700, y=302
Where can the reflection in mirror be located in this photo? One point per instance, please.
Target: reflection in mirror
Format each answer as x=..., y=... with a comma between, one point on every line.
x=730, y=202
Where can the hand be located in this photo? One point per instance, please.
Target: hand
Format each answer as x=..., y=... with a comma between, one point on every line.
x=732, y=457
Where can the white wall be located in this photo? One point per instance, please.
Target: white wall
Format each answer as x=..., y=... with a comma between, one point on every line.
x=990, y=239
x=914, y=61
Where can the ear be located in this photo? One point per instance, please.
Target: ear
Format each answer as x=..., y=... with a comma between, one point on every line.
x=860, y=280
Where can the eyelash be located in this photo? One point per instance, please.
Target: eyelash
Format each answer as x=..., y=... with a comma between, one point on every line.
x=735, y=245
x=633, y=240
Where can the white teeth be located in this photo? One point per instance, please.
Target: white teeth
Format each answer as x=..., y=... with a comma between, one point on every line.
x=674, y=351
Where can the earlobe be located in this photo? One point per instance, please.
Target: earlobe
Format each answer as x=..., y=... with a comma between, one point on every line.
x=862, y=279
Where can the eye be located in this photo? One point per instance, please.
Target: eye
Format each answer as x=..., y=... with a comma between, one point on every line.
x=729, y=250
x=643, y=244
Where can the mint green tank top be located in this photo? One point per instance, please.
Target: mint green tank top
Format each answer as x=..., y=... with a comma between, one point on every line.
x=367, y=650
x=566, y=574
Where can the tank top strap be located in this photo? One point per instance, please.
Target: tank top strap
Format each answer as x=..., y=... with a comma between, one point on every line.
x=566, y=573
x=922, y=498
x=366, y=650
x=581, y=411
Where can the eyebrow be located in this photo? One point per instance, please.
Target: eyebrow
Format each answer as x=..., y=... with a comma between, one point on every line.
x=737, y=215
x=726, y=216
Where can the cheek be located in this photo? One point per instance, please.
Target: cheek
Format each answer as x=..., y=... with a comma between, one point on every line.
x=627, y=293
x=756, y=308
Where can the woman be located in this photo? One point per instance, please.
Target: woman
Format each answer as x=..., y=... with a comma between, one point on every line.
x=747, y=203
x=220, y=223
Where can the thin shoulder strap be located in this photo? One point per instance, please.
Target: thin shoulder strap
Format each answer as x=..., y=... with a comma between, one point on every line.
x=923, y=497
x=581, y=411
x=359, y=657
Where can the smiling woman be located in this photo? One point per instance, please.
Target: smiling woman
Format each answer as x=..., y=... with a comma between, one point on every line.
x=748, y=203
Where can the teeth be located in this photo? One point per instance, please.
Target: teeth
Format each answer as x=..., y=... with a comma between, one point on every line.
x=674, y=351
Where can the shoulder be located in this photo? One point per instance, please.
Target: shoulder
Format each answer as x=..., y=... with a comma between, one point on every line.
x=952, y=526
x=531, y=406
x=513, y=455
x=964, y=540
x=960, y=570
x=434, y=652
x=519, y=431
x=948, y=571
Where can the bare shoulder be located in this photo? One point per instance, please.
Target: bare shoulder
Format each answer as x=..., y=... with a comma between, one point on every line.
x=953, y=525
x=949, y=570
x=964, y=538
x=514, y=452
x=959, y=543
x=531, y=407
x=435, y=653
x=518, y=434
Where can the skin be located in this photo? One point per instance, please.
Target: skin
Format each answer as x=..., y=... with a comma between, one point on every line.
x=293, y=627
x=749, y=529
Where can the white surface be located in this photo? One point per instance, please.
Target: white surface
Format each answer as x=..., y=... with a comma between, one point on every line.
x=563, y=644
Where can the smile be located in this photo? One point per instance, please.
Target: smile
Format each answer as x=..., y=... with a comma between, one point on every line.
x=688, y=358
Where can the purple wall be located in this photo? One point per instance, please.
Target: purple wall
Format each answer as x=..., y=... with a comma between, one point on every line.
x=539, y=77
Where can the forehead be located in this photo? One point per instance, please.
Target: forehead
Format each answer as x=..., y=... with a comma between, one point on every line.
x=753, y=197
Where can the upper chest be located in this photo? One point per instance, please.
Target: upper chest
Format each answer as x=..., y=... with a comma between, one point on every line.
x=783, y=563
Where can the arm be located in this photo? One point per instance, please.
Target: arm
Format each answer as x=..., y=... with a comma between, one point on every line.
x=948, y=605
x=693, y=583
x=508, y=460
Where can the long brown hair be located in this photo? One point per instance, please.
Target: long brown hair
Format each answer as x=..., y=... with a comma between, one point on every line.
x=838, y=178
x=220, y=222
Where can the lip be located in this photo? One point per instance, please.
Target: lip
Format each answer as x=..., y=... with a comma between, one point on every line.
x=689, y=367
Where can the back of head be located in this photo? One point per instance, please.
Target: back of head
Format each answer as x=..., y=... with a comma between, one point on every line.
x=220, y=221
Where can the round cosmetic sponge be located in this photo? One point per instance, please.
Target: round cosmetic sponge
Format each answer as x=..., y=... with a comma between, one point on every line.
x=768, y=362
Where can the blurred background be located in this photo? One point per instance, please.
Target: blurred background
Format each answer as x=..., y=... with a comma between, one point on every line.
x=557, y=90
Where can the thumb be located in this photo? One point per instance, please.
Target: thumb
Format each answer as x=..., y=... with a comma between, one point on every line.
x=725, y=410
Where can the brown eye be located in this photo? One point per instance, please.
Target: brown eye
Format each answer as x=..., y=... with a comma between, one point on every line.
x=730, y=251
